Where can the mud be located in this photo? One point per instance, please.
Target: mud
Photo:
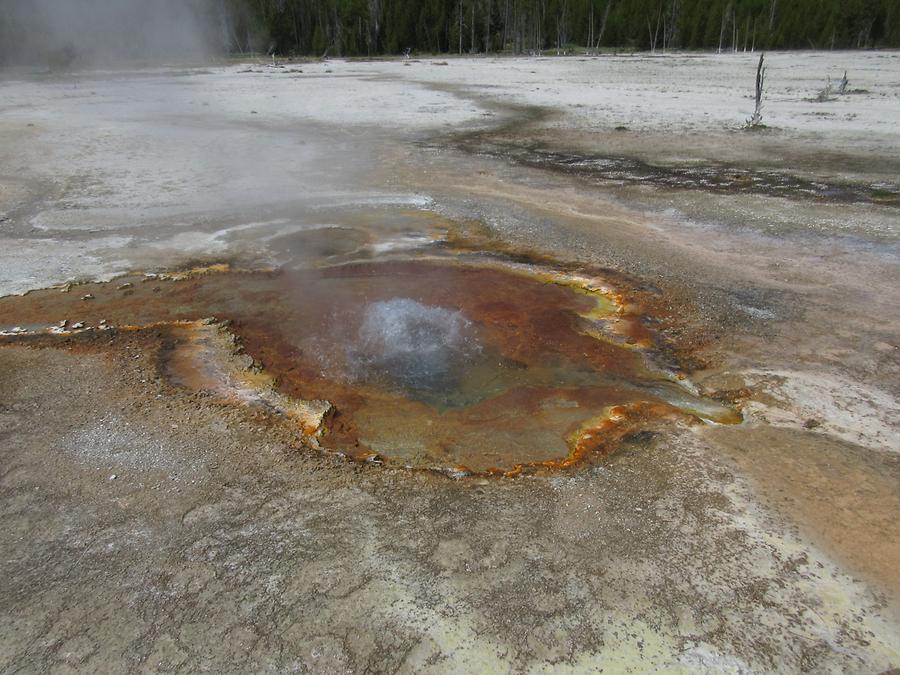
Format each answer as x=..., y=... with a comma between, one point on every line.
x=717, y=179
x=514, y=142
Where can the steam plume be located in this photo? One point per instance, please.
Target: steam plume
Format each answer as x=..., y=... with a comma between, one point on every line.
x=62, y=33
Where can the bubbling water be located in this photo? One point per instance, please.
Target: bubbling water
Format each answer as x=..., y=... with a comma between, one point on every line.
x=412, y=345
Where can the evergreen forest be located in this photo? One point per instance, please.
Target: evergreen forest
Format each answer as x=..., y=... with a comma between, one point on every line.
x=374, y=27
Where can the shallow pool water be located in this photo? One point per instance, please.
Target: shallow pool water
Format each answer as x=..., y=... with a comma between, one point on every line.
x=482, y=366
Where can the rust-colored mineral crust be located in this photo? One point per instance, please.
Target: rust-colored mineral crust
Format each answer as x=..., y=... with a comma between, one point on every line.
x=494, y=368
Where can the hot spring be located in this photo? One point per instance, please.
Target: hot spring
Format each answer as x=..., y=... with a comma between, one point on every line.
x=483, y=366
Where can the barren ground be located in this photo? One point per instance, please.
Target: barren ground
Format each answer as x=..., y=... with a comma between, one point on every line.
x=150, y=527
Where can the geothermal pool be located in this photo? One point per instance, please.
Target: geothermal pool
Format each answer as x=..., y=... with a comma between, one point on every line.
x=463, y=364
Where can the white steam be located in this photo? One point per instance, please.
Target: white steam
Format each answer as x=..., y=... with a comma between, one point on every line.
x=413, y=345
x=62, y=33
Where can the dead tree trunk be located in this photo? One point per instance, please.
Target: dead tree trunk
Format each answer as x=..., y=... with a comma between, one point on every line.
x=723, y=27
x=472, y=38
x=654, y=34
x=603, y=23
x=460, y=26
x=756, y=119
x=865, y=33
x=842, y=87
x=670, y=28
x=505, y=24
x=735, y=33
x=487, y=27
x=590, y=35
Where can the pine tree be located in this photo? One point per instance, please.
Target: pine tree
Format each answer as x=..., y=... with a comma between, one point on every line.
x=369, y=27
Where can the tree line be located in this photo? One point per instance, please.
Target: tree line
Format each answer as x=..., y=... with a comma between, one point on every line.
x=374, y=27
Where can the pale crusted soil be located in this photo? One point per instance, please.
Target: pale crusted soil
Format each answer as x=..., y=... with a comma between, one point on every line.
x=221, y=546
x=218, y=548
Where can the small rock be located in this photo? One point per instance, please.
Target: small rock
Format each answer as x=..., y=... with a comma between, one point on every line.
x=89, y=296
x=122, y=287
x=62, y=324
x=76, y=326
x=113, y=477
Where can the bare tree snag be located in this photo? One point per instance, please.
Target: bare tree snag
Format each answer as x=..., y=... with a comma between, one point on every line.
x=723, y=27
x=755, y=120
x=603, y=24
x=460, y=26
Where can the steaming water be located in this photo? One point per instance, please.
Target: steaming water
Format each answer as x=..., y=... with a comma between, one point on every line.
x=417, y=347
x=430, y=364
